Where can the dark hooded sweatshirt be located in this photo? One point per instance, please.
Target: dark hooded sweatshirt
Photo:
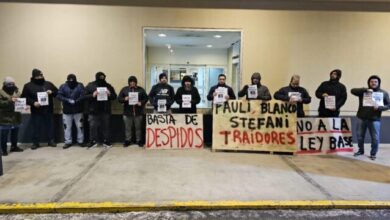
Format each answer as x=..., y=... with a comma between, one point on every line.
x=30, y=91
x=368, y=112
x=282, y=94
x=332, y=88
x=262, y=91
x=95, y=106
x=195, y=97
x=133, y=110
x=162, y=91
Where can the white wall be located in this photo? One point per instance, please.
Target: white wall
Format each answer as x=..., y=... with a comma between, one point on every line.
x=85, y=39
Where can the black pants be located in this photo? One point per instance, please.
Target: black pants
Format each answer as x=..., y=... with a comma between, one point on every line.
x=99, y=123
x=42, y=122
x=4, y=138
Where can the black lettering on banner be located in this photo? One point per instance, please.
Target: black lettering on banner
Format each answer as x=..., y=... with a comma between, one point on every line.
x=304, y=125
x=321, y=125
x=160, y=119
x=191, y=119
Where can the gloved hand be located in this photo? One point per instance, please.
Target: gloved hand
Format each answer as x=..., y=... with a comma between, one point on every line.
x=71, y=101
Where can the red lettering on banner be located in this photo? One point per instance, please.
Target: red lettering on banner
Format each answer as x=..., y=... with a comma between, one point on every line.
x=245, y=137
x=199, y=134
x=148, y=136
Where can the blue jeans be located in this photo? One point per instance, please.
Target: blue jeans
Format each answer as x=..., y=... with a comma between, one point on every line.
x=68, y=122
x=374, y=130
x=5, y=130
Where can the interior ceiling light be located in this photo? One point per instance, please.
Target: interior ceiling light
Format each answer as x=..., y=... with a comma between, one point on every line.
x=162, y=35
x=217, y=36
x=169, y=46
x=171, y=51
x=209, y=46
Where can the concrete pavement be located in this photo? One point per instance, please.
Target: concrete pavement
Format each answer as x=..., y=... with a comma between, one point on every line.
x=137, y=176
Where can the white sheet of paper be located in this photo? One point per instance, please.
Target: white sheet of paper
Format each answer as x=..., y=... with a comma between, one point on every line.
x=252, y=91
x=162, y=105
x=43, y=98
x=133, y=98
x=102, y=93
x=295, y=96
x=330, y=102
x=220, y=97
x=20, y=105
x=186, y=101
x=373, y=98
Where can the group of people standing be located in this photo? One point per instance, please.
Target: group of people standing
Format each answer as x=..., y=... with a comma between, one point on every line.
x=95, y=100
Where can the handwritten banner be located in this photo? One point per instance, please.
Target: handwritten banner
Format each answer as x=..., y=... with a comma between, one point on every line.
x=255, y=126
x=174, y=131
x=324, y=135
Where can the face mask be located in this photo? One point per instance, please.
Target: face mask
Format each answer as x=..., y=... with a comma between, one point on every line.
x=101, y=82
x=72, y=84
x=10, y=89
x=39, y=81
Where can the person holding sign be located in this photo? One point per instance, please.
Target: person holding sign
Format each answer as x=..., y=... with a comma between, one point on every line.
x=187, y=96
x=99, y=109
x=255, y=90
x=133, y=98
x=221, y=92
x=39, y=96
x=71, y=94
x=372, y=101
x=294, y=94
x=9, y=118
x=161, y=95
x=332, y=95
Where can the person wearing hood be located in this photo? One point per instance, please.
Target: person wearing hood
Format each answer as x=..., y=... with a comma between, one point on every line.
x=39, y=95
x=9, y=119
x=70, y=94
x=372, y=102
x=98, y=95
x=330, y=89
x=161, y=95
x=221, y=84
x=294, y=94
x=134, y=99
x=187, y=96
x=262, y=91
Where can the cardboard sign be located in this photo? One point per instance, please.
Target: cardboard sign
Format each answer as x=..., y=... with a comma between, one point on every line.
x=252, y=91
x=255, y=125
x=186, y=101
x=20, y=105
x=174, y=131
x=43, y=98
x=324, y=136
x=220, y=97
x=133, y=98
x=330, y=102
x=102, y=94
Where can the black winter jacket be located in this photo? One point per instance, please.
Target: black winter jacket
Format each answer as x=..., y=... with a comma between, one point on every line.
x=66, y=94
x=367, y=112
x=231, y=94
x=133, y=110
x=195, y=99
x=283, y=95
x=93, y=105
x=332, y=88
x=30, y=91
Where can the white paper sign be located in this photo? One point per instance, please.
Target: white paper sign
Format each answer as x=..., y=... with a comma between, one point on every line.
x=295, y=96
x=330, y=102
x=373, y=99
x=102, y=94
x=162, y=105
x=252, y=91
x=20, y=105
x=220, y=97
x=43, y=98
x=186, y=101
x=133, y=98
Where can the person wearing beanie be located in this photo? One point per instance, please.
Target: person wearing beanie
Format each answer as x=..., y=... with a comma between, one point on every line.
x=71, y=95
x=262, y=90
x=134, y=99
x=331, y=89
x=372, y=102
x=161, y=95
x=294, y=94
x=42, y=109
x=99, y=110
x=9, y=119
x=221, y=84
x=186, y=90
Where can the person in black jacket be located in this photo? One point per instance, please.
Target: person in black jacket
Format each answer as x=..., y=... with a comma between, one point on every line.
x=161, y=95
x=262, y=90
x=294, y=94
x=328, y=89
x=221, y=83
x=98, y=95
x=39, y=96
x=133, y=98
x=71, y=93
x=372, y=102
x=188, y=90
